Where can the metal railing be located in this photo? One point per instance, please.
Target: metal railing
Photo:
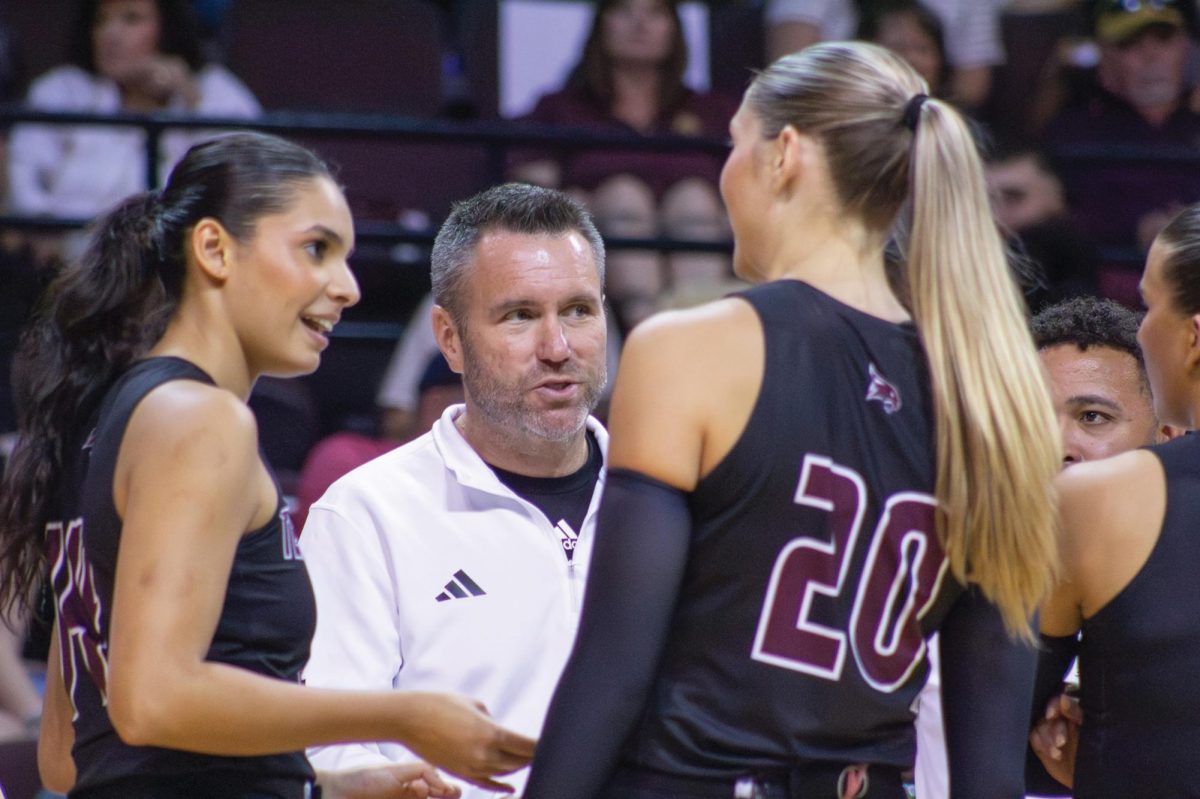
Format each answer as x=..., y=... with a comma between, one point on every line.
x=496, y=137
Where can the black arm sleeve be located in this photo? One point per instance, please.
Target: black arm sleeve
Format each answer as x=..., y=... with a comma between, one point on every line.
x=641, y=548
x=987, y=684
x=1053, y=661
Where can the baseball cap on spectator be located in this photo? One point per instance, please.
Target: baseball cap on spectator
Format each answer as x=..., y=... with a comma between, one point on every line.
x=1121, y=20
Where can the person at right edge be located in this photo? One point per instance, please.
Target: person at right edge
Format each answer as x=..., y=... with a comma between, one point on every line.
x=771, y=558
x=1127, y=602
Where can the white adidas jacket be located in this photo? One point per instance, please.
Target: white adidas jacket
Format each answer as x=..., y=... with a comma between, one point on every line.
x=431, y=574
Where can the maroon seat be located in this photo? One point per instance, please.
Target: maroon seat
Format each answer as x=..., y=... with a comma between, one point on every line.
x=383, y=178
x=1030, y=41
x=18, y=769
x=43, y=32
x=353, y=55
x=736, y=45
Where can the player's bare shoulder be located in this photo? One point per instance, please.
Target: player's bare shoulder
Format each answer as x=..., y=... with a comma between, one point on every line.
x=718, y=341
x=687, y=384
x=188, y=429
x=1112, y=513
x=1105, y=495
x=185, y=410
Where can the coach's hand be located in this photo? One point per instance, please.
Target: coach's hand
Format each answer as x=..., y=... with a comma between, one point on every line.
x=1055, y=738
x=395, y=781
x=457, y=734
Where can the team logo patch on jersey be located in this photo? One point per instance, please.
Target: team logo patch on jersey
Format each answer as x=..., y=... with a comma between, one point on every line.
x=881, y=391
x=460, y=587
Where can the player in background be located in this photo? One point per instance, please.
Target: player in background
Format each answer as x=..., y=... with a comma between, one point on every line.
x=1102, y=399
x=1129, y=553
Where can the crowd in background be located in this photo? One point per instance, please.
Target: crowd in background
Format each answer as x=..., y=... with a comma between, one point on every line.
x=1082, y=224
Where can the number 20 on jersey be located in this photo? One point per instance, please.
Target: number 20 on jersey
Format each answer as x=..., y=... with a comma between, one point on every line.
x=898, y=583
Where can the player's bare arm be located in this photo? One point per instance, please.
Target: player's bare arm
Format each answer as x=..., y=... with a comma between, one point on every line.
x=189, y=484
x=56, y=735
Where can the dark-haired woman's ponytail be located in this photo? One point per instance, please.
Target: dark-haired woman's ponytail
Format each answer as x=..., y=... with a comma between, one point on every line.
x=105, y=311
x=98, y=316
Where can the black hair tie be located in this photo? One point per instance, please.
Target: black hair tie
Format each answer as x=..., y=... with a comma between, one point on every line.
x=912, y=111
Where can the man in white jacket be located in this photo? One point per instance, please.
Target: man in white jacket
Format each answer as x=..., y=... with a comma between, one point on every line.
x=456, y=562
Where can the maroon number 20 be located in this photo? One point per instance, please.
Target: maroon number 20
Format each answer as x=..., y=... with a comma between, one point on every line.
x=903, y=568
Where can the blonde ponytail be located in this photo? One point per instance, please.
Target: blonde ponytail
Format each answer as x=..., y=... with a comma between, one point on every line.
x=998, y=446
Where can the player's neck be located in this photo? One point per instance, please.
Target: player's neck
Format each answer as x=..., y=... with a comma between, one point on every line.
x=209, y=347
x=846, y=264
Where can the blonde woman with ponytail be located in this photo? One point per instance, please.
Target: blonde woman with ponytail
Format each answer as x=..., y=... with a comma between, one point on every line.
x=809, y=479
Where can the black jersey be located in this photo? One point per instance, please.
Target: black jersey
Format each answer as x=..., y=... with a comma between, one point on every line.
x=266, y=624
x=814, y=573
x=1139, y=656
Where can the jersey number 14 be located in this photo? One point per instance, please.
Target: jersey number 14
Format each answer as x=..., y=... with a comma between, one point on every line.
x=897, y=586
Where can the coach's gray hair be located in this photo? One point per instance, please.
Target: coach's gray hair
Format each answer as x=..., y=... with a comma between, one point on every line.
x=511, y=207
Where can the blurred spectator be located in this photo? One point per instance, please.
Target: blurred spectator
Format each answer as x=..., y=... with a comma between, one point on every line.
x=909, y=29
x=1031, y=209
x=18, y=276
x=1140, y=99
x=127, y=55
x=1052, y=57
x=399, y=390
x=12, y=87
x=12, y=66
x=22, y=284
x=438, y=389
x=1025, y=190
x=972, y=35
x=630, y=79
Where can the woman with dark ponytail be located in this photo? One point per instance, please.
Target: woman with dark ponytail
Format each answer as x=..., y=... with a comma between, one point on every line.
x=184, y=612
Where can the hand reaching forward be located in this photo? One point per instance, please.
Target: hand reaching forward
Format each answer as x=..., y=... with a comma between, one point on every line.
x=395, y=781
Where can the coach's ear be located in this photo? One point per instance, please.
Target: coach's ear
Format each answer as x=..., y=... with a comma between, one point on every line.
x=445, y=333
